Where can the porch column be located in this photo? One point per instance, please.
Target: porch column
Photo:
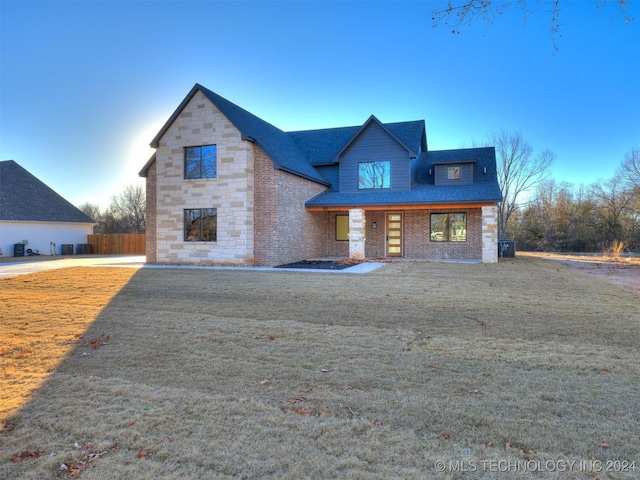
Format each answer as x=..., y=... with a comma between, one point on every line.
x=356, y=233
x=489, y=234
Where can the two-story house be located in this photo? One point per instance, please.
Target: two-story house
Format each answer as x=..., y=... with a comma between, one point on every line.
x=226, y=187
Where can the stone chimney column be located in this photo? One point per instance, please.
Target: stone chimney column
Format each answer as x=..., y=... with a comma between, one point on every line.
x=356, y=233
x=490, y=234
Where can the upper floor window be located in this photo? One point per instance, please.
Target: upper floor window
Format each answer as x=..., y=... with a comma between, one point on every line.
x=374, y=174
x=200, y=162
x=453, y=173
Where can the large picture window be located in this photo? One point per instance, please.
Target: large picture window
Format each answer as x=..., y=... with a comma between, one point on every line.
x=448, y=227
x=200, y=162
x=374, y=174
x=201, y=225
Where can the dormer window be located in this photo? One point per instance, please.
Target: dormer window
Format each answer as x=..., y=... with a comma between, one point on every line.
x=374, y=175
x=454, y=172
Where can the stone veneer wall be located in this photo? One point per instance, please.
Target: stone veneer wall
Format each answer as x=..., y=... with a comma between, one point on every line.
x=201, y=123
x=284, y=231
x=357, y=227
x=150, y=215
x=490, y=234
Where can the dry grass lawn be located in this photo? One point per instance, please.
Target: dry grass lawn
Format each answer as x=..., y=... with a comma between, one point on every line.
x=190, y=373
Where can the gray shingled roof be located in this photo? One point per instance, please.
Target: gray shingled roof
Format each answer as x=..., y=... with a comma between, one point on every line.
x=279, y=146
x=25, y=198
x=419, y=195
x=481, y=157
x=322, y=146
x=300, y=152
x=484, y=189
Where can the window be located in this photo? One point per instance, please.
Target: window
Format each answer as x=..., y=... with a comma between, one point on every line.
x=200, y=162
x=374, y=174
x=201, y=225
x=448, y=227
x=453, y=173
x=342, y=227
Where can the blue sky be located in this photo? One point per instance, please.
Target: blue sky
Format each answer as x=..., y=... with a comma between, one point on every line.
x=86, y=85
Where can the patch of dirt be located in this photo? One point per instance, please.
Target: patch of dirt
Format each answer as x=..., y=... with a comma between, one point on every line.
x=620, y=273
x=319, y=265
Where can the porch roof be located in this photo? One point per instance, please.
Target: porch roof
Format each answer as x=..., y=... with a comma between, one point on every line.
x=479, y=193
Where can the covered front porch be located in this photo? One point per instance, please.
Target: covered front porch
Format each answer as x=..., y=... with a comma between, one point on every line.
x=414, y=232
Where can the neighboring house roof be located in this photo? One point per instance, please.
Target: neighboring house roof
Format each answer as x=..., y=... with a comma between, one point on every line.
x=25, y=198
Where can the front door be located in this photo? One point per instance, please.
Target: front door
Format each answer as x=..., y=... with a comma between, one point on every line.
x=394, y=235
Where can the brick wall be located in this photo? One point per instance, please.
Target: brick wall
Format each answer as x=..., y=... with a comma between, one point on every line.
x=284, y=231
x=334, y=248
x=150, y=216
x=417, y=243
x=376, y=238
x=416, y=233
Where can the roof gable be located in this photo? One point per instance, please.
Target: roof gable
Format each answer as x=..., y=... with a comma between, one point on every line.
x=321, y=147
x=276, y=144
x=25, y=198
x=373, y=120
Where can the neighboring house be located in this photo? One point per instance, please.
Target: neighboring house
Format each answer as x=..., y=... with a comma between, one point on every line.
x=33, y=215
x=226, y=187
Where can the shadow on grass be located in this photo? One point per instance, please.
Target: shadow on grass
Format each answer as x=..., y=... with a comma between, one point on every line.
x=226, y=374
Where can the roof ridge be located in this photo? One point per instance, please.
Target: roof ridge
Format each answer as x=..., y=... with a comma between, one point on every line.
x=353, y=126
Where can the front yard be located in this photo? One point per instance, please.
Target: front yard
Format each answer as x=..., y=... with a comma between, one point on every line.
x=523, y=369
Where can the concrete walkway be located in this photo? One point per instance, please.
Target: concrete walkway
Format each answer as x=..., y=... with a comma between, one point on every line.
x=13, y=267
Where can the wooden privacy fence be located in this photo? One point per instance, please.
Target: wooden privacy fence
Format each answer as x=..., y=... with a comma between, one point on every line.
x=118, y=244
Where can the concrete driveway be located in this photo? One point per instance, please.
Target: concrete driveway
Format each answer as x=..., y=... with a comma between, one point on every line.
x=13, y=266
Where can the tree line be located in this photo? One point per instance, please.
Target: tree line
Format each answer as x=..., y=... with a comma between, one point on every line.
x=125, y=214
x=540, y=213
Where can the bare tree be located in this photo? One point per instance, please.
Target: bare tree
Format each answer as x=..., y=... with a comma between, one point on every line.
x=519, y=172
x=613, y=200
x=629, y=170
x=93, y=211
x=459, y=12
x=90, y=210
x=559, y=217
x=129, y=209
x=629, y=173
